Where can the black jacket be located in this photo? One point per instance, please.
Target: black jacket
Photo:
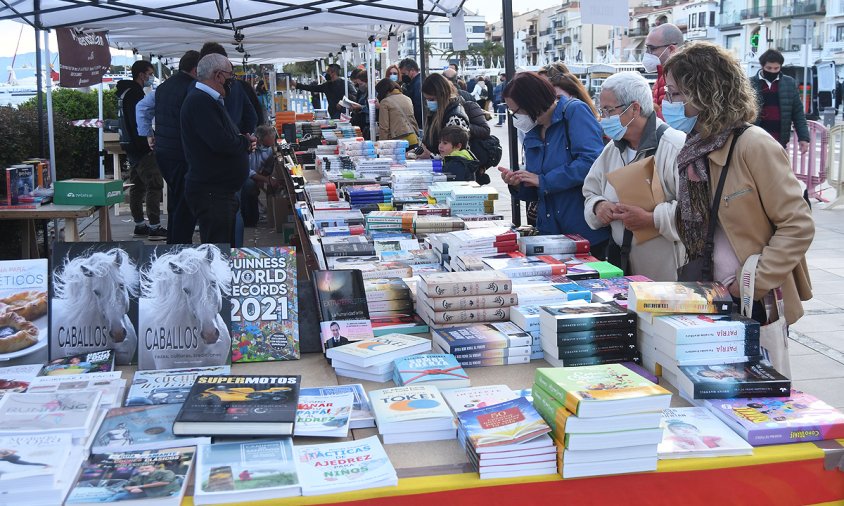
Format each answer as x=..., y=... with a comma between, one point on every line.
x=169, y=97
x=454, y=115
x=334, y=91
x=134, y=94
x=414, y=91
x=217, y=155
x=478, y=127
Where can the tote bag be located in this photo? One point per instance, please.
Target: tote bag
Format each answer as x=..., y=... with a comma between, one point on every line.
x=773, y=336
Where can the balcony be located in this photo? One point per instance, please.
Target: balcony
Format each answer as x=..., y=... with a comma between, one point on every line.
x=566, y=40
x=760, y=11
x=532, y=49
x=546, y=31
x=787, y=45
x=558, y=25
x=549, y=48
x=799, y=8
x=832, y=47
x=532, y=31
x=558, y=42
x=638, y=32
x=727, y=20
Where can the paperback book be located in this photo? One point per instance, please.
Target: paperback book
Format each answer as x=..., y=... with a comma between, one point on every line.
x=730, y=381
x=27, y=413
x=344, y=466
x=441, y=370
x=460, y=284
x=487, y=336
x=379, y=350
x=507, y=423
x=684, y=329
x=695, y=432
x=362, y=416
x=141, y=428
x=30, y=461
x=167, y=386
x=344, y=314
x=264, y=304
x=680, y=297
x=110, y=384
x=23, y=293
x=94, y=362
x=579, y=315
x=411, y=410
x=323, y=415
x=17, y=378
x=463, y=399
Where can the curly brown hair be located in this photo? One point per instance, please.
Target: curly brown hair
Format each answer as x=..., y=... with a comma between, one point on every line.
x=714, y=83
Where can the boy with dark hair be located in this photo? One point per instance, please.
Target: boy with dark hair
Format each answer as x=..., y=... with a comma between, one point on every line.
x=457, y=159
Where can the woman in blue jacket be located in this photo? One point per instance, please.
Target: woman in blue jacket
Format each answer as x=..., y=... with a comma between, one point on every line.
x=562, y=139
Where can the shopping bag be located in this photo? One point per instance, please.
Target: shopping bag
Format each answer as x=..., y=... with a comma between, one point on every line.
x=773, y=335
x=638, y=184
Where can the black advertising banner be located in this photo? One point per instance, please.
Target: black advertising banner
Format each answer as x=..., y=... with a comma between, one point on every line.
x=83, y=57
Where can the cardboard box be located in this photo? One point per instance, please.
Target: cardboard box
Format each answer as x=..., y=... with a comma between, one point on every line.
x=90, y=192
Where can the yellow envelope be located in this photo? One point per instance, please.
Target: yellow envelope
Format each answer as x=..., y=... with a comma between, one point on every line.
x=638, y=185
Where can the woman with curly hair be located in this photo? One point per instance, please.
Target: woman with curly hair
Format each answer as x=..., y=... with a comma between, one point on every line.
x=760, y=208
x=567, y=84
x=445, y=108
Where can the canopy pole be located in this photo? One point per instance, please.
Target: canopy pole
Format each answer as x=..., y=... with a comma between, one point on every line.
x=422, y=67
x=100, y=129
x=370, y=85
x=40, y=88
x=510, y=72
x=51, y=134
x=345, y=59
x=272, y=91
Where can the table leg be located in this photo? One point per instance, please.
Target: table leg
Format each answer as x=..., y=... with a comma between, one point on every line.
x=118, y=176
x=29, y=241
x=71, y=231
x=105, y=224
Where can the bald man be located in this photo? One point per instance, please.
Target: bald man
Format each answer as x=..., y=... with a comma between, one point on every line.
x=660, y=44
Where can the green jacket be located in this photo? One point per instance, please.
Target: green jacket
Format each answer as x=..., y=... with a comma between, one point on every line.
x=791, y=107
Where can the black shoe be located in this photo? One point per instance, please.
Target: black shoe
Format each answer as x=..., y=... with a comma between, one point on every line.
x=157, y=233
x=141, y=230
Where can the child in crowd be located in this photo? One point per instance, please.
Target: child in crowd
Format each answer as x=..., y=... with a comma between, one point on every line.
x=457, y=159
x=261, y=165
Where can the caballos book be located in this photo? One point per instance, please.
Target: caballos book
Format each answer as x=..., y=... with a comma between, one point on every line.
x=680, y=297
x=602, y=390
x=148, y=477
x=323, y=415
x=460, y=284
x=486, y=336
x=729, y=381
x=264, y=304
x=344, y=313
x=167, y=386
x=695, y=432
x=702, y=328
x=580, y=315
x=233, y=405
x=345, y=466
x=379, y=350
x=23, y=295
x=440, y=370
x=507, y=423
x=141, y=428
x=96, y=361
x=245, y=471
x=185, y=315
x=776, y=420
x=94, y=299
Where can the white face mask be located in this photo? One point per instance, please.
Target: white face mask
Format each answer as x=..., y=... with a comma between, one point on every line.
x=650, y=62
x=523, y=122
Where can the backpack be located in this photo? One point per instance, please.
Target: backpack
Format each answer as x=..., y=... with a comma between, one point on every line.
x=125, y=138
x=485, y=92
x=487, y=151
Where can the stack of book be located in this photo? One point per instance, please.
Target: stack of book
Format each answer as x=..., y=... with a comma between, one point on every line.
x=76, y=413
x=363, y=464
x=567, y=244
x=605, y=418
x=428, y=209
x=478, y=242
x=731, y=381
x=469, y=200
x=331, y=205
x=435, y=369
x=507, y=440
x=341, y=231
x=388, y=297
x=373, y=359
x=322, y=192
x=47, y=463
x=448, y=299
x=695, y=432
x=611, y=289
x=435, y=224
x=484, y=344
x=368, y=194
x=345, y=246
x=389, y=221
x=412, y=413
x=110, y=384
x=441, y=190
x=419, y=259
x=581, y=333
x=337, y=218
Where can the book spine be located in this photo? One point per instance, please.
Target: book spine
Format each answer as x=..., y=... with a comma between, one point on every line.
x=617, y=321
x=597, y=350
x=741, y=389
x=520, y=351
x=557, y=392
x=672, y=306
x=715, y=350
x=749, y=331
x=479, y=302
x=595, y=336
x=468, y=316
x=599, y=360
x=486, y=362
x=462, y=289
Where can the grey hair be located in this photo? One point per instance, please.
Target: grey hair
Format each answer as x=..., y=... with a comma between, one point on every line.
x=669, y=33
x=629, y=87
x=209, y=64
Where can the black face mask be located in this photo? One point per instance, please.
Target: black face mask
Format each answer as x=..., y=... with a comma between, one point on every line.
x=405, y=79
x=228, y=85
x=769, y=76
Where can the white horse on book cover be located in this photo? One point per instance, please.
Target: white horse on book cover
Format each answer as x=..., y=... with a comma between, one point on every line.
x=185, y=289
x=92, y=294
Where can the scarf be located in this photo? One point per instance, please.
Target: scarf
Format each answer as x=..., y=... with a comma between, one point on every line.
x=693, y=197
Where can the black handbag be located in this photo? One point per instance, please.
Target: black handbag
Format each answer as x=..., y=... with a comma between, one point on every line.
x=701, y=268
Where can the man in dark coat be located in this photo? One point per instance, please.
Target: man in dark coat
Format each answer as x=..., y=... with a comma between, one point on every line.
x=334, y=88
x=780, y=103
x=412, y=79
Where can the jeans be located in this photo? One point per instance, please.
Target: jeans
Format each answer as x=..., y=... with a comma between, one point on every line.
x=180, y=220
x=501, y=111
x=216, y=213
x=249, y=202
x=146, y=178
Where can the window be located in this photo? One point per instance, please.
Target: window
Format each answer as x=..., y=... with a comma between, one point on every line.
x=839, y=33
x=701, y=20
x=692, y=21
x=712, y=18
x=477, y=29
x=732, y=41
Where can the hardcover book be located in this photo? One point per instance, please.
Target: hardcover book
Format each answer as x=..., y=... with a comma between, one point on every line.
x=579, y=315
x=323, y=415
x=729, y=381
x=440, y=370
x=245, y=471
x=379, y=350
x=141, y=428
x=342, y=303
x=602, y=390
x=680, y=297
x=776, y=420
x=167, y=386
x=501, y=314
x=94, y=299
x=232, y=405
x=23, y=293
x=507, y=423
x=344, y=466
x=264, y=304
x=461, y=284
x=484, y=336
x=695, y=432
x=159, y=474
x=472, y=303
x=185, y=309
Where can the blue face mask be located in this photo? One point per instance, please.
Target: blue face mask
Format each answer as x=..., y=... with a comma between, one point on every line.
x=148, y=82
x=613, y=128
x=432, y=105
x=675, y=115
x=394, y=77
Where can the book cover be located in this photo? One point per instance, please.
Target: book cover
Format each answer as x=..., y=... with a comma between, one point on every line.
x=685, y=329
x=140, y=428
x=185, y=309
x=341, y=297
x=728, y=381
x=472, y=303
x=580, y=315
x=245, y=471
x=362, y=416
x=507, y=423
x=441, y=370
x=167, y=386
x=94, y=299
x=680, y=297
x=264, y=304
x=323, y=415
x=464, y=399
x=97, y=361
x=775, y=420
x=582, y=337
x=25, y=413
x=32, y=459
x=542, y=265
x=550, y=244
x=134, y=475
x=17, y=378
x=379, y=350
x=695, y=432
x=459, y=284
x=501, y=314
x=518, y=351
x=225, y=405
x=23, y=295
x=343, y=466
x=396, y=407
x=110, y=384
x=591, y=390
x=605, y=270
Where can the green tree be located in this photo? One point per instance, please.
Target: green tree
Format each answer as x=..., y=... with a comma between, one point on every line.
x=490, y=51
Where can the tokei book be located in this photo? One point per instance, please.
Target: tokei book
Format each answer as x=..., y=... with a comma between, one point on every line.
x=736, y=380
x=344, y=313
x=24, y=319
x=680, y=297
x=237, y=405
x=775, y=420
x=94, y=299
x=264, y=304
x=185, y=315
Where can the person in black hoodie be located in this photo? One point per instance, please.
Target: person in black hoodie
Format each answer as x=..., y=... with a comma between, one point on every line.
x=143, y=169
x=334, y=88
x=216, y=152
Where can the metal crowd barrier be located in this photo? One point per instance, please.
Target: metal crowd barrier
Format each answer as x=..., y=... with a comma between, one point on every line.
x=811, y=168
x=835, y=163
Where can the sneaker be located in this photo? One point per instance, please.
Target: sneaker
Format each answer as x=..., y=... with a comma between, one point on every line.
x=141, y=230
x=157, y=233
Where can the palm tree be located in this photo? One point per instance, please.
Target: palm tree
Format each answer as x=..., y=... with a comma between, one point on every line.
x=461, y=56
x=427, y=49
x=490, y=51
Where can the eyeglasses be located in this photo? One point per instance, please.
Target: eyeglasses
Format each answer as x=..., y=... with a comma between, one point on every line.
x=649, y=48
x=513, y=113
x=228, y=72
x=673, y=96
x=606, y=112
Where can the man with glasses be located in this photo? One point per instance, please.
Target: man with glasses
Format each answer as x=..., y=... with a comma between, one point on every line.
x=660, y=44
x=216, y=152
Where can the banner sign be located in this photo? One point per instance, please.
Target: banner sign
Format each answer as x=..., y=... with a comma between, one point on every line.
x=83, y=57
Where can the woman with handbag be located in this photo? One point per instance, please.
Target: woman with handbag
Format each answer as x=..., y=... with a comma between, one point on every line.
x=737, y=196
x=396, y=120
